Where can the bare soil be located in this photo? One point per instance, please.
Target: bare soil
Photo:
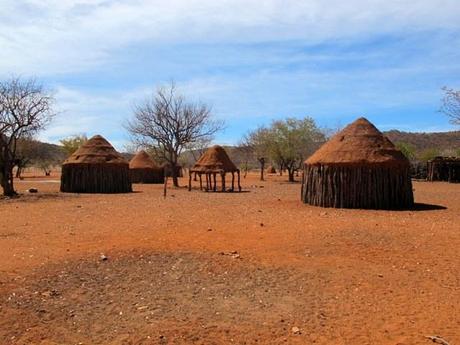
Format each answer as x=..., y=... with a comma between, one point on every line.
x=220, y=268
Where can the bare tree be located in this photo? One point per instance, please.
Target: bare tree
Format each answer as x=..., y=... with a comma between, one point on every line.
x=246, y=151
x=167, y=123
x=451, y=105
x=25, y=109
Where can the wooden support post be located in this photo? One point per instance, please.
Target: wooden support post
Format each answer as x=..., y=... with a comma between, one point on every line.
x=189, y=181
x=201, y=183
x=239, y=181
x=223, y=181
x=207, y=182
x=233, y=181
x=215, y=181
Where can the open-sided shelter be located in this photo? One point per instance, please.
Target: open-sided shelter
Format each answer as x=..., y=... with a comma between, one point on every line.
x=212, y=163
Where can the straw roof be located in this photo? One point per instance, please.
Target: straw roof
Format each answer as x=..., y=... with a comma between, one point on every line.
x=96, y=150
x=360, y=143
x=142, y=160
x=215, y=159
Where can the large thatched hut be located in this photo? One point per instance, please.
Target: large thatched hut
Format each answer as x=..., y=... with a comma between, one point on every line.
x=444, y=169
x=96, y=167
x=142, y=169
x=358, y=168
x=213, y=162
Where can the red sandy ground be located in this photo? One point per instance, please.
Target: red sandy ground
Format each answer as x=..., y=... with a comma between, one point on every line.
x=340, y=276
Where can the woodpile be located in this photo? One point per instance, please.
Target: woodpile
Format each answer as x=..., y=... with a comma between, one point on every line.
x=96, y=167
x=444, y=169
x=143, y=169
x=214, y=162
x=358, y=168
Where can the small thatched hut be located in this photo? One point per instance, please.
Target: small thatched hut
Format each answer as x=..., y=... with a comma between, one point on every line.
x=444, y=169
x=142, y=169
x=168, y=170
x=213, y=162
x=95, y=168
x=271, y=170
x=358, y=168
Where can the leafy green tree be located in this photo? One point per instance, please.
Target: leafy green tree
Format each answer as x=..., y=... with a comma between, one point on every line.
x=73, y=143
x=428, y=154
x=292, y=140
x=407, y=149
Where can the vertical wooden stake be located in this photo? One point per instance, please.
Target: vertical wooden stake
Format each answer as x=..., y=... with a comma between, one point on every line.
x=239, y=181
x=165, y=187
x=223, y=181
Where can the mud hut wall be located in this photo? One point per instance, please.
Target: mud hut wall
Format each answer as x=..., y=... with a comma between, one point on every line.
x=95, y=178
x=357, y=187
x=146, y=175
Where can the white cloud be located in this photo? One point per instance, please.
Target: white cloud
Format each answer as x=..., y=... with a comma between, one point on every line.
x=61, y=36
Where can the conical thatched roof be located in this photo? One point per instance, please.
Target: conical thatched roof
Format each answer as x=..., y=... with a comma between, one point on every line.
x=360, y=143
x=96, y=150
x=215, y=159
x=358, y=168
x=142, y=160
x=96, y=167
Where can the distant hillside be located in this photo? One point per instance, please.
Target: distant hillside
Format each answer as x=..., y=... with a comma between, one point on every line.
x=442, y=141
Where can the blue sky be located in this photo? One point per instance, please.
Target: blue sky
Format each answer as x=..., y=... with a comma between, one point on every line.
x=252, y=60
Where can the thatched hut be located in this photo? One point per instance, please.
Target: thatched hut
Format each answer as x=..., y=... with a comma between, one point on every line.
x=142, y=169
x=213, y=162
x=271, y=170
x=444, y=169
x=168, y=170
x=358, y=168
x=96, y=167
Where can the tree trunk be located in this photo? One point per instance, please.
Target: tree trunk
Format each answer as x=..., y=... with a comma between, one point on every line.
x=6, y=181
x=262, y=168
x=175, y=179
x=291, y=174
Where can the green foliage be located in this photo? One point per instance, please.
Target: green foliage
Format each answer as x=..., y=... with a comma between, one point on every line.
x=428, y=154
x=407, y=149
x=287, y=142
x=71, y=144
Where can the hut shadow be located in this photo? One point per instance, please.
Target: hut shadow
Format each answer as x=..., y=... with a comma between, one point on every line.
x=219, y=191
x=419, y=206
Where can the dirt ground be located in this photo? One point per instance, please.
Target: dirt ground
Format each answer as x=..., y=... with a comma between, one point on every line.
x=257, y=267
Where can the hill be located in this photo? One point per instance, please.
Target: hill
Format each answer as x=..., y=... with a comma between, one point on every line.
x=441, y=141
